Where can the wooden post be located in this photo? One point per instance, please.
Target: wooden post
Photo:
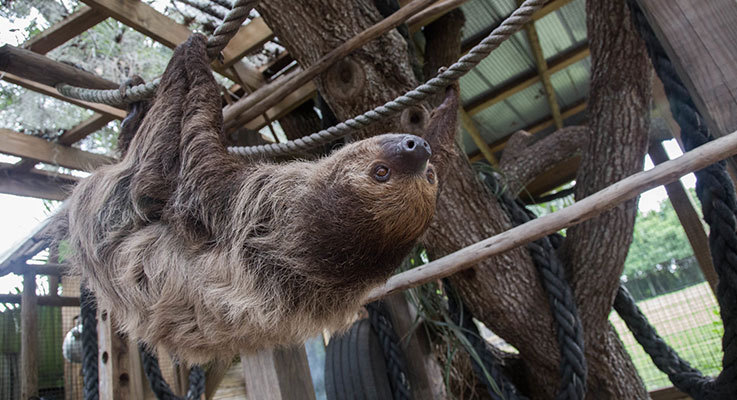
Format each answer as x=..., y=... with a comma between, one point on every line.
x=689, y=218
x=114, y=362
x=278, y=374
x=29, y=339
x=470, y=126
x=424, y=373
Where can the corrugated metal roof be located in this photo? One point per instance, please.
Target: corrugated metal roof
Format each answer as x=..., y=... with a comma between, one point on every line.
x=558, y=32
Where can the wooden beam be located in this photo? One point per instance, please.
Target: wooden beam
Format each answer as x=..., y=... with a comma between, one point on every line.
x=41, y=69
x=259, y=102
x=560, y=63
x=248, y=38
x=113, y=360
x=701, y=41
x=36, y=183
x=278, y=374
x=63, y=31
x=430, y=14
x=56, y=301
x=478, y=37
x=470, y=126
x=690, y=220
x=84, y=129
x=103, y=109
x=580, y=211
x=542, y=71
x=289, y=103
x=39, y=269
x=29, y=339
x=27, y=146
x=145, y=19
x=534, y=128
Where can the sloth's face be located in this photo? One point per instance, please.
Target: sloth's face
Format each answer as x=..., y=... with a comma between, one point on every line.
x=392, y=180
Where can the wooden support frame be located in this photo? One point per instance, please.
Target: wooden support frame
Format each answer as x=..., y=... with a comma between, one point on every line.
x=55, y=301
x=690, y=220
x=29, y=338
x=119, y=363
x=470, y=126
x=71, y=26
x=278, y=374
x=580, y=211
x=701, y=41
x=27, y=146
x=543, y=72
x=35, y=183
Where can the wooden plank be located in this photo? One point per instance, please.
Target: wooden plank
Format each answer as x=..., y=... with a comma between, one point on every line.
x=35, y=184
x=543, y=72
x=548, y=122
x=41, y=69
x=103, y=109
x=56, y=301
x=112, y=360
x=701, y=41
x=288, y=104
x=27, y=146
x=63, y=31
x=29, y=339
x=146, y=20
x=430, y=14
x=670, y=393
x=248, y=38
x=143, y=18
x=278, y=374
x=580, y=211
x=690, y=220
x=84, y=129
x=478, y=37
x=470, y=126
x=562, y=62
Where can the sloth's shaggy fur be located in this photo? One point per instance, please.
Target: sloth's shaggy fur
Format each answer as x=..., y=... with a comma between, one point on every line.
x=208, y=255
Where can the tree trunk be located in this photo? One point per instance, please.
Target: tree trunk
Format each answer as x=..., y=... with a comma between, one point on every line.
x=504, y=291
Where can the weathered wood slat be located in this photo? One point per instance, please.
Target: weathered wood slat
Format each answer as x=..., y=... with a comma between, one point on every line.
x=35, y=184
x=29, y=338
x=104, y=109
x=278, y=374
x=27, y=64
x=57, y=301
x=71, y=26
x=85, y=128
x=700, y=38
x=27, y=146
x=470, y=126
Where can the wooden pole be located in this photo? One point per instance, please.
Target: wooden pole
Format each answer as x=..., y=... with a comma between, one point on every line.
x=582, y=210
x=114, y=362
x=29, y=338
x=255, y=105
x=470, y=126
x=689, y=218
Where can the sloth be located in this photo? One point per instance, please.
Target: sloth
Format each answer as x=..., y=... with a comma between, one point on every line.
x=206, y=254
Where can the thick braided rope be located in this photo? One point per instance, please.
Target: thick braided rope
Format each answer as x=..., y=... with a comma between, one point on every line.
x=393, y=355
x=716, y=192
x=568, y=326
x=510, y=26
x=215, y=45
x=499, y=386
x=88, y=311
x=159, y=386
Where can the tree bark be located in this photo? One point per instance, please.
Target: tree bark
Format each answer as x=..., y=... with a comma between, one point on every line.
x=503, y=292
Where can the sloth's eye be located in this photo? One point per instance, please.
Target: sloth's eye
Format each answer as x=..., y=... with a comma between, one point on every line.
x=381, y=173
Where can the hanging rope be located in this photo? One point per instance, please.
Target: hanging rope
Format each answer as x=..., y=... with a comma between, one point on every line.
x=568, y=326
x=158, y=384
x=716, y=192
x=217, y=42
x=88, y=311
x=396, y=367
x=510, y=26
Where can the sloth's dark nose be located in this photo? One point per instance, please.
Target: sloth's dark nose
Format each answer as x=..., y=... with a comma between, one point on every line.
x=410, y=153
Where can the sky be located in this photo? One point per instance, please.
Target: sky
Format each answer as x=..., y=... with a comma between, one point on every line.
x=21, y=214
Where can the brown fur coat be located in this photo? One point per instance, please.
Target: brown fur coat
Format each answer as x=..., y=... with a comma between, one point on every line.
x=207, y=255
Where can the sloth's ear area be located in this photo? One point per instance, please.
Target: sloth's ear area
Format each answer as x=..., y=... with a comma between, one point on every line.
x=442, y=128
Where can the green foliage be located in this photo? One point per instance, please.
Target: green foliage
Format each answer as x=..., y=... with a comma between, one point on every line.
x=658, y=238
